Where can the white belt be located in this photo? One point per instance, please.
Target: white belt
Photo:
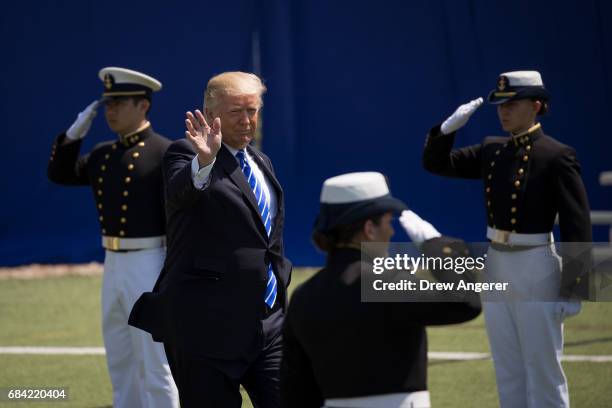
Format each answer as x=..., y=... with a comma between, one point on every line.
x=418, y=399
x=118, y=243
x=514, y=238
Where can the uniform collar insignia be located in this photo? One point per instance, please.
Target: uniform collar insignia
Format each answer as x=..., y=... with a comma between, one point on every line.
x=135, y=136
x=525, y=137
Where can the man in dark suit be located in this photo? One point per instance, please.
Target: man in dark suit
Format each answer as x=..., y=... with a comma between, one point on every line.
x=219, y=304
x=340, y=351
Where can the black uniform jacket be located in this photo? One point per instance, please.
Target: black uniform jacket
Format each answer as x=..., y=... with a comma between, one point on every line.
x=336, y=346
x=209, y=298
x=125, y=177
x=527, y=182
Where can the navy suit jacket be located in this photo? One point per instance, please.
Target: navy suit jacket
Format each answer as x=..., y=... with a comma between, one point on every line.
x=209, y=298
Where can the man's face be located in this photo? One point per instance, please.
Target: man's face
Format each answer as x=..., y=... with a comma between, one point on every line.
x=239, y=115
x=124, y=115
x=517, y=116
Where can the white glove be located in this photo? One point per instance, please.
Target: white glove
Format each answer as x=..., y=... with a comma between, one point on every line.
x=460, y=117
x=565, y=309
x=81, y=125
x=417, y=228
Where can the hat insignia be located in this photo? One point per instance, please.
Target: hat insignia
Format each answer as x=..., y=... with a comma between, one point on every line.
x=108, y=81
x=501, y=83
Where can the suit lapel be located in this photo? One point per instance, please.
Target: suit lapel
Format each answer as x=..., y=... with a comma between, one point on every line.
x=229, y=163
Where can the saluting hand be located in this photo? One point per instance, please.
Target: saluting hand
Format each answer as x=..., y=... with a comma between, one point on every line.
x=205, y=140
x=417, y=228
x=81, y=125
x=460, y=117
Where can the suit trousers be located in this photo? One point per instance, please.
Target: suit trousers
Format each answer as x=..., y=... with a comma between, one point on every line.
x=525, y=328
x=139, y=372
x=207, y=382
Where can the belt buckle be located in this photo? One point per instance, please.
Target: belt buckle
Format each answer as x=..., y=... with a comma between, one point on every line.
x=502, y=237
x=113, y=243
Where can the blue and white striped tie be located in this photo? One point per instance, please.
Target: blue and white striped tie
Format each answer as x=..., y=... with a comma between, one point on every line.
x=264, y=211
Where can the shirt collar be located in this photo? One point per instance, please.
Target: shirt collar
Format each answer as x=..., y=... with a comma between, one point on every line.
x=234, y=151
x=231, y=149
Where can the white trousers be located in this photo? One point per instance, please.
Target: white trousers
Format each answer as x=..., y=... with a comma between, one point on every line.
x=138, y=368
x=417, y=399
x=526, y=335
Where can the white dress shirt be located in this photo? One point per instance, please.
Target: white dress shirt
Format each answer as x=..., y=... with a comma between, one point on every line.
x=200, y=177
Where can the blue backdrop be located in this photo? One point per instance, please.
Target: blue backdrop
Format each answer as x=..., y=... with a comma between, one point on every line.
x=352, y=86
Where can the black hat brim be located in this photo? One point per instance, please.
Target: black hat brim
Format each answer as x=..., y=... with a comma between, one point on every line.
x=529, y=92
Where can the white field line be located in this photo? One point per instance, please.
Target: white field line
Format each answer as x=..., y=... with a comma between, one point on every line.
x=433, y=355
x=457, y=355
x=77, y=351
x=466, y=356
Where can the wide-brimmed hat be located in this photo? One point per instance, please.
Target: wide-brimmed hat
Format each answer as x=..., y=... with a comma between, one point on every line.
x=352, y=197
x=518, y=85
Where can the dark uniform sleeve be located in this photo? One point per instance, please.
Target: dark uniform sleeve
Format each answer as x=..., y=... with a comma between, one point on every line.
x=450, y=308
x=437, y=313
x=440, y=158
x=574, y=225
x=180, y=191
x=298, y=386
x=572, y=201
x=65, y=165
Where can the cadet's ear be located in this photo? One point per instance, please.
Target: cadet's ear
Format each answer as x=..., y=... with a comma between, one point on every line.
x=537, y=106
x=369, y=230
x=144, y=105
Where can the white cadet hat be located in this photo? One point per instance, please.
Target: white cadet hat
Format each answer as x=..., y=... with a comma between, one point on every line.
x=518, y=85
x=125, y=82
x=354, y=196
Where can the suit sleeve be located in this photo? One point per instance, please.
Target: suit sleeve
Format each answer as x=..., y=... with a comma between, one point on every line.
x=65, y=166
x=180, y=191
x=574, y=225
x=298, y=386
x=440, y=158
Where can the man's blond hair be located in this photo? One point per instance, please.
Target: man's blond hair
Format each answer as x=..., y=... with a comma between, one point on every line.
x=232, y=83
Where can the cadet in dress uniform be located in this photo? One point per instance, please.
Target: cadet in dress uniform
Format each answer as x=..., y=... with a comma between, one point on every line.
x=528, y=179
x=339, y=351
x=126, y=179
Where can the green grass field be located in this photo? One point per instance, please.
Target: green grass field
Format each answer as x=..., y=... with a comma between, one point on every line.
x=65, y=312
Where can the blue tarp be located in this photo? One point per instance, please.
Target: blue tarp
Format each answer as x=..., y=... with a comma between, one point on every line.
x=352, y=86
